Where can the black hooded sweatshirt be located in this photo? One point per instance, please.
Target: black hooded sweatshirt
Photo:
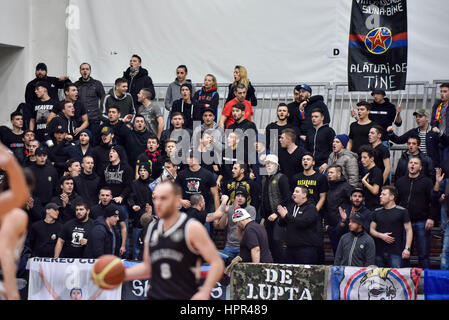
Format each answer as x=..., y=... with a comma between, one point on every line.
x=140, y=195
x=88, y=186
x=141, y=80
x=101, y=239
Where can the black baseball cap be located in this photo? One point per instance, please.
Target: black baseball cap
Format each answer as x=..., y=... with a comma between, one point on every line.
x=358, y=190
x=52, y=205
x=40, y=151
x=357, y=218
x=106, y=130
x=377, y=91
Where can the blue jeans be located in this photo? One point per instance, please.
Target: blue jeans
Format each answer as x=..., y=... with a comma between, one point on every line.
x=445, y=251
x=301, y=255
x=421, y=239
x=388, y=260
x=229, y=253
x=125, y=211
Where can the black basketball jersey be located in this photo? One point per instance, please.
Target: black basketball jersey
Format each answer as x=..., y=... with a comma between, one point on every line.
x=175, y=265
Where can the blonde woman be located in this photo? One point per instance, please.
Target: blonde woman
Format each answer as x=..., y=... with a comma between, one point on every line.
x=241, y=76
x=206, y=97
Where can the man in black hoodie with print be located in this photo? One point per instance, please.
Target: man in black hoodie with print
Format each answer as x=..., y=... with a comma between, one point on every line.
x=102, y=238
x=414, y=194
x=138, y=78
x=136, y=140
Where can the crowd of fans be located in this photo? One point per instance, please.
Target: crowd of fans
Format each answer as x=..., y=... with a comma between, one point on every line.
x=96, y=158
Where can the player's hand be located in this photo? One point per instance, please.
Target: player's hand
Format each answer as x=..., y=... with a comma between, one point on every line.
x=30, y=203
x=201, y=295
x=405, y=254
x=386, y=237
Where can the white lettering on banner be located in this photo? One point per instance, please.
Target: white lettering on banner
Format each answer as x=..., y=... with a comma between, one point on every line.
x=64, y=260
x=367, y=67
x=140, y=289
x=380, y=82
x=270, y=292
x=382, y=11
x=272, y=276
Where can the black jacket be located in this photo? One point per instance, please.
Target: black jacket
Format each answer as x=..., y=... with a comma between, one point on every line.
x=432, y=141
x=337, y=196
x=90, y=93
x=120, y=129
x=383, y=115
x=118, y=178
x=101, y=240
x=88, y=186
x=414, y=194
x=305, y=124
x=203, y=97
x=319, y=143
x=355, y=249
x=140, y=195
x=364, y=212
x=69, y=125
x=136, y=143
x=101, y=157
x=141, y=80
x=302, y=228
x=47, y=182
x=402, y=166
x=58, y=155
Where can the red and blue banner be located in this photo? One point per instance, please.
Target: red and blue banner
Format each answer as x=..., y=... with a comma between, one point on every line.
x=378, y=41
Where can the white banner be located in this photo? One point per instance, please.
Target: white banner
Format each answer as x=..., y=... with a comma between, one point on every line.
x=65, y=279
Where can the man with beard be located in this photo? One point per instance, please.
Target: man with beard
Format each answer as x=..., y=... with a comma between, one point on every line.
x=151, y=112
x=309, y=103
x=356, y=248
x=240, y=179
x=138, y=78
x=357, y=206
x=302, y=222
x=87, y=184
x=74, y=235
x=80, y=114
x=273, y=130
x=84, y=148
x=293, y=108
x=40, y=111
x=53, y=84
x=90, y=93
x=66, y=200
x=136, y=140
x=171, y=278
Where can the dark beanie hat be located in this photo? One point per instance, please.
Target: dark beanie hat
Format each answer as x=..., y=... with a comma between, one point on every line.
x=41, y=66
x=121, y=152
x=188, y=85
x=344, y=139
x=88, y=132
x=145, y=165
x=111, y=210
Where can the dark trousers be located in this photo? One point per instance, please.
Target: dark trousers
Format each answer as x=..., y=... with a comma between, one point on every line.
x=301, y=255
x=275, y=241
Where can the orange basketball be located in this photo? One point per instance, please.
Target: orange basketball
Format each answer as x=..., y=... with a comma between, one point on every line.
x=108, y=272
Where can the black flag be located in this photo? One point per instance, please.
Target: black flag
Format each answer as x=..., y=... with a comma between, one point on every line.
x=377, y=55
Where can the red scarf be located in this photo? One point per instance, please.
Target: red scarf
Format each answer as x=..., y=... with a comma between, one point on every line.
x=152, y=155
x=438, y=113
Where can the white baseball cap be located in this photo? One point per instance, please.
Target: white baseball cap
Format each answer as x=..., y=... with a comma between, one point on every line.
x=272, y=158
x=240, y=214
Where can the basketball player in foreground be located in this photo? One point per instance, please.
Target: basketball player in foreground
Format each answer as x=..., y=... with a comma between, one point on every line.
x=13, y=223
x=174, y=248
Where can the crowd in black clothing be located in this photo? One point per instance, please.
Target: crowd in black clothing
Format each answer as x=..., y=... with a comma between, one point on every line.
x=98, y=156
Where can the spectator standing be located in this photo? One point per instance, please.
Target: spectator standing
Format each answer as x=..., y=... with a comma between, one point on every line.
x=46, y=177
x=227, y=117
x=359, y=130
x=384, y=113
x=413, y=150
x=121, y=98
x=290, y=154
x=392, y=231
x=381, y=152
x=185, y=105
x=241, y=77
x=151, y=112
x=372, y=181
x=66, y=200
x=274, y=130
x=44, y=233
x=207, y=96
x=87, y=184
x=174, y=88
x=138, y=78
x=440, y=118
